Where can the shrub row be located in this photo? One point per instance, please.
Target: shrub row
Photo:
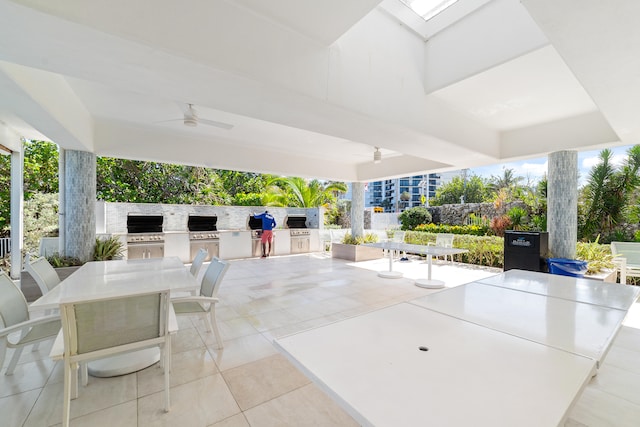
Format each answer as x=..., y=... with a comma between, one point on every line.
x=474, y=230
x=483, y=250
x=489, y=250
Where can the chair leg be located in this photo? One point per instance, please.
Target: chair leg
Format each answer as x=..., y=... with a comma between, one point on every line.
x=84, y=373
x=167, y=384
x=14, y=361
x=212, y=314
x=67, y=395
x=3, y=351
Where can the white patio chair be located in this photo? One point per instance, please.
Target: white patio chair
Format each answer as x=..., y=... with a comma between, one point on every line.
x=101, y=328
x=398, y=237
x=205, y=303
x=198, y=260
x=14, y=317
x=445, y=240
x=42, y=272
x=325, y=240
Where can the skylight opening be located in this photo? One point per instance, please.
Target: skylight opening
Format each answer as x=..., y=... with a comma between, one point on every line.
x=427, y=9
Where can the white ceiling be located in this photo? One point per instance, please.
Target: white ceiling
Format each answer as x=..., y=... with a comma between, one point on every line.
x=312, y=87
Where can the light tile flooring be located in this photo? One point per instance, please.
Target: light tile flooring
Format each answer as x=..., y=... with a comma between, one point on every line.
x=249, y=383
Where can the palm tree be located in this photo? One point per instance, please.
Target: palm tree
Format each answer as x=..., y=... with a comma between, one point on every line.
x=508, y=181
x=608, y=192
x=298, y=192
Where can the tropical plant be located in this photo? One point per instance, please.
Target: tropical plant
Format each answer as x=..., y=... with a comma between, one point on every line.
x=508, y=181
x=413, y=217
x=598, y=256
x=58, y=261
x=472, y=190
x=499, y=224
x=608, y=192
x=298, y=192
x=517, y=216
x=348, y=239
x=108, y=249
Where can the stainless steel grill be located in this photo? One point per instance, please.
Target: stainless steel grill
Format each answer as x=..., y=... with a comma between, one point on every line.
x=145, y=238
x=300, y=235
x=203, y=234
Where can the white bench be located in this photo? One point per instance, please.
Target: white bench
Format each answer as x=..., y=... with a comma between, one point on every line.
x=627, y=259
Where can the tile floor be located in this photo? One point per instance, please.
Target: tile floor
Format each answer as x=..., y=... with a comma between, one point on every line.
x=249, y=383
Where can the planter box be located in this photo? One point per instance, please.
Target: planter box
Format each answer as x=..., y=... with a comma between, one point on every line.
x=30, y=288
x=607, y=275
x=355, y=252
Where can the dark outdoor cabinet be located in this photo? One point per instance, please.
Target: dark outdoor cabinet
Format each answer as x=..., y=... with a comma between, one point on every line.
x=526, y=250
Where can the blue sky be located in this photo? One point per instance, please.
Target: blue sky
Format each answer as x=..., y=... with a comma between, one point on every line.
x=533, y=169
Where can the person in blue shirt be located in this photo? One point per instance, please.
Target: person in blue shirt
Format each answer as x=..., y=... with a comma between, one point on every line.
x=268, y=222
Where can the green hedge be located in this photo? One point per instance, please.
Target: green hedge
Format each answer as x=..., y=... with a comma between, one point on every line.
x=483, y=250
x=489, y=250
x=474, y=230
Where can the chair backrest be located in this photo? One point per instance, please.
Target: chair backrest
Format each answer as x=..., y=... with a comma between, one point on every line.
x=398, y=236
x=444, y=240
x=13, y=306
x=112, y=323
x=628, y=250
x=198, y=261
x=213, y=277
x=43, y=273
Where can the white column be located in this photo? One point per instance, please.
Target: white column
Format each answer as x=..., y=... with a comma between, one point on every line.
x=17, y=207
x=357, y=209
x=562, y=204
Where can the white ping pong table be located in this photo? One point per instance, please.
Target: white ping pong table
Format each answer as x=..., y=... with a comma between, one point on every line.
x=516, y=351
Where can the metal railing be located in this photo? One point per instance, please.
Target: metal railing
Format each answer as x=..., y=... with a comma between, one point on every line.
x=5, y=246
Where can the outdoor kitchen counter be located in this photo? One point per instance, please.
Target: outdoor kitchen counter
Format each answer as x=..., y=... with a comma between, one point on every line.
x=235, y=244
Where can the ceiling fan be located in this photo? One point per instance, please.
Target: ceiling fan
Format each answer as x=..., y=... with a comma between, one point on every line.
x=191, y=119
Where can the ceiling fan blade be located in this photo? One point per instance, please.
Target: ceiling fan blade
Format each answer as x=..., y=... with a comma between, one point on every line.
x=221, y=125
x=171, y=120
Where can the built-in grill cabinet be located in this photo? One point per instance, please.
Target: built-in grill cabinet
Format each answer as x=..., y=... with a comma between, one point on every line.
x=300, y=235
x=203, y=234
x=145, y=238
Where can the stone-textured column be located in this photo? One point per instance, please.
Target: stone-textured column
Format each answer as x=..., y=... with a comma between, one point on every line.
x=562, y=203
x=357, y=209
x=79, y=204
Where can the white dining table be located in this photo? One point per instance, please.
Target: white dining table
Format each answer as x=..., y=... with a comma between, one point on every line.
x=406, y=365
x=579, y=289
x=105, y=279
x=517, y=351
x=429, y=250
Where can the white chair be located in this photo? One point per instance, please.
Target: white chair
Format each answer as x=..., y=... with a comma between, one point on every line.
x=14, y=315
x=398, y=237
x=43, y=273
x=325, y=240
x=445, y=240
x=105, y=327
x=198, y=260
x=205, y=303
x=626, y=259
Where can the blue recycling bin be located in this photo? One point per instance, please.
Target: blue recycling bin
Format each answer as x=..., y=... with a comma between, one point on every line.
x=567, y=267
